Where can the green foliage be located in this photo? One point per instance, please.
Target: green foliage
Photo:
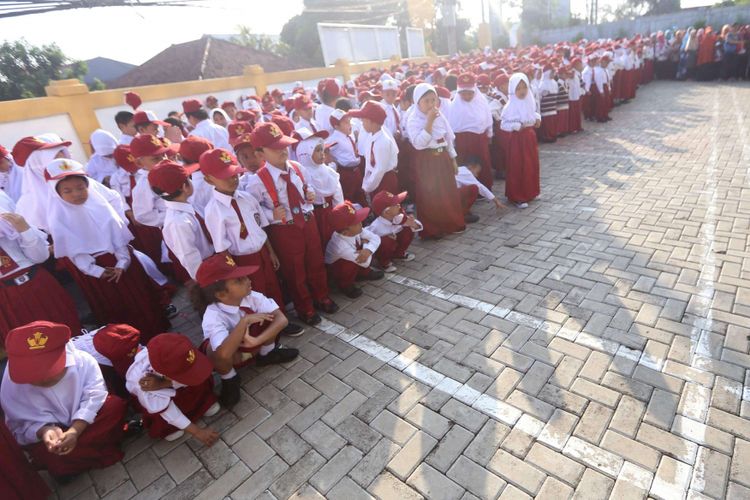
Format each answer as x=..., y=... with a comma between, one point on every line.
x=259, y=42
x=300, y=34
x=97, y=85
x=699, y=24
x=26, y=69
x=579, y=36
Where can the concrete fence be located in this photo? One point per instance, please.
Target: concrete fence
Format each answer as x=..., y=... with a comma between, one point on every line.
x=73, y=112
x=714, y=16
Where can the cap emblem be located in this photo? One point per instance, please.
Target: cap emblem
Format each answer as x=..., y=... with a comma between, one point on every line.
x=37, y=341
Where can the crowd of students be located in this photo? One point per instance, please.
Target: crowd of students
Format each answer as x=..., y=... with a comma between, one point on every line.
x=252, y=205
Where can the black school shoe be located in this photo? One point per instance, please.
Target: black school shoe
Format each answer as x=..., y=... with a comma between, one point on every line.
x=375, y=274
x=292, y=330
x=471, y=218
x=312, y=319
x=280, y=354
x=230, y=391
x=326, y=305
x=352, y=292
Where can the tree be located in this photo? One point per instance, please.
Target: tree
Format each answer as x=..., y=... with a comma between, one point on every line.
x=26, y=69
x=259, y=42
x=635, y=8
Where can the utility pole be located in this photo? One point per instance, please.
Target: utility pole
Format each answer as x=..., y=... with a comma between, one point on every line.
x=449, y=21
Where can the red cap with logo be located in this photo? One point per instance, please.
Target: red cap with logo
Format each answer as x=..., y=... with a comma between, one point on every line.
x=244, y=115
x=284, y=123
x=191, y=105
x=269, y=135
x=146, y=117
x=329, y=86
x=169, y=177
x=173, y=356
x=36, y=351
x=302, y=102
x=466, y=81
x=372, y=111
x=23, y=148
x=150, y=145
x=245, y=140
x=237, y=128
x=483, y=80
x=119, y=344
x=133, y=100
x=220, y=267
x=125, y=159
x=345, y=215
x=384, y=199
x=219, y=163
x=193, y=147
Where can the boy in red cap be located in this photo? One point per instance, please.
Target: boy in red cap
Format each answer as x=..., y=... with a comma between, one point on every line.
x=287, y=203
x=184, y=229
x=239, y=324
x=348, y=160
x=148, y=151
x=190, y=151
x=395, y=229
x=146, y=123
x=329, y=91
x=381, y=155
x=56, y=404
x=113, y=346
x=126, y=125
x=350, y=251
x=126, y=177
x=172, y=382
x=303, y=113
x=197, y=116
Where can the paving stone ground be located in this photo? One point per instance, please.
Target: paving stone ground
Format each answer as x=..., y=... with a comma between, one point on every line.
x=592, y=346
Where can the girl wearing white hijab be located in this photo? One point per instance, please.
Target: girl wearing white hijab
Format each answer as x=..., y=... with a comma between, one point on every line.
x=323, y=179
x=519, y=118
x=90, y=230
x=470, y=118
x=220, y=117
x=548, y=90
x=101, y=165
x=11, y=177
x=434, y=165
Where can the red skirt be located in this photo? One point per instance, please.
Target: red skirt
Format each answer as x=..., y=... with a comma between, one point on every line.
x=148, y=240
x=264, y=280
x=98, y=446
x=471, y=144
x=602, y=105
x=497, y=149
x=547, y=131
x=588, y=102
x=40, y=298
x=522, y=179
x=322, y=218
x=193, y=401
x=575, y=124
x=405, y=171
x=135, y=300
x=563, y=119
x=437, y=199
x=18, y=480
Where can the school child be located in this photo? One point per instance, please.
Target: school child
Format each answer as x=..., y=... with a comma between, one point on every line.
x=247, y=156
x=125, y=177
x=146, y=123
x=114, y=347
x=184, y=230
x=197, y=116
x=437, y=199
x=287, y=204
x=219, y=117
x=350, y=165
x=589, y=88
x=575, y=96
x=230, y=108
x=190, y=151
x=563, y=104
x=56, y=404
x=101, y=165
x=171, y=381
x=602, y=102
x=329, y=91
x=350, y=251
x=395, y=229
x=548, y=90
x=323, y=179
x=124, y=122
x=405, y=149
x=393, y=116
x=27, y=291
x=148, y=151
x=381, y=151
x=303, y=113
x=467, y=180
x=89, y=231
x=470, y=119
x=519, y=118
x=11, y=178
x=240, y=325
x=498, y=100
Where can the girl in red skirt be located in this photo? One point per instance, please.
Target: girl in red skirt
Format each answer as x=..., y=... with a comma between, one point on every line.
x=519, y=118
x=434, y=162
x=94, y=237
x=470, y=118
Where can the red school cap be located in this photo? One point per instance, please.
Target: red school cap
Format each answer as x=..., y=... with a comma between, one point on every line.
x=144, y=117
x=372, y=111
x=125, y=159
x=36, y=351
x=241, y=141
x=302, y=101
x=284, y=123
x=23, y=148
x=219, y=267
x=168, y=176
x=150, y=145
x=483, y=80
x=237, y=128
x=173, y=356
x=219, y=163
x=269, y=135
x=191, y=105
x=329, y=86
x=344, y=215
x=118, y=343
x=384, y=199
x=133, y=100
x=193, y=147
x=244, y=115
x=466, y=81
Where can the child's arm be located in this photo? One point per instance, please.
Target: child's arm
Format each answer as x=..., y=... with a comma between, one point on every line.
x=226, y=350
x=274, y=258
x=278, y=323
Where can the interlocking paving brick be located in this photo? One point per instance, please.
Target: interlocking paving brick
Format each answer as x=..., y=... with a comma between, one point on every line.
x=335, y=469
x=672, y=479
x=406, y=460
x=432, y=484
x=516, y=472
x=555, y=464
x=323, y=439
x=593, y=485
x=296, y=475
x=474, y=478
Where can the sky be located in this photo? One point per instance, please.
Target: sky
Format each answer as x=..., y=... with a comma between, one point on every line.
x=135, y=34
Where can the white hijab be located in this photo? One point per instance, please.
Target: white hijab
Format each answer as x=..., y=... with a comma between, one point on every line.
x=91, y=228
x=222, y=112
x=11, y=182
x=472, y=116
x=34, y=194
x=323, y=179
x=103, y=144
x=548, y=84
x=418, y=120
x=519, y=110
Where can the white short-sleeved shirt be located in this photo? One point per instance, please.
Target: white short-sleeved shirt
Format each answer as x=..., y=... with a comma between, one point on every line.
x=220, y=319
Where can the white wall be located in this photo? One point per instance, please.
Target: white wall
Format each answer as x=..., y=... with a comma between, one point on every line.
x=358, y=43
x=10, y=133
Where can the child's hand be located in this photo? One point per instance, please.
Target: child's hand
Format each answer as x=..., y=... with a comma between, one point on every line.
x=310, y=196
x=112, y=274
x=207, y=436
x=51, y=437
x=411, y=222
x=67, y=443
x=279, y=213
x=432, y=115
x=258, y=318
x=151, y=382
x=275, y=261
x=499, y=205
x=15, y=220
x=537, y=123
x=363, y=255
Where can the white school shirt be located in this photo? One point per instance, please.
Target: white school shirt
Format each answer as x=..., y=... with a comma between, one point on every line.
x=202, y=192
x=148, y=208
x=220, y=319
x=601, y=78
x=86, y=263
x=224, y=225
x=99, y=167
x=574, y=86
x=381, y=147
x=126, y=139
x=159, y=401
x=404, y=115
x=325, y=181
x=184, y=236
x=391, y=124
x=216, y=134
x=120, y=181
x=27, y=248
x=345, y=247
x=256, y=187
x=323, y=117
x=421, y=139
x=383, y=227
x=77, y=396
x=311, y=124
x=587, y=77
x=464, y=177
x=343, y=151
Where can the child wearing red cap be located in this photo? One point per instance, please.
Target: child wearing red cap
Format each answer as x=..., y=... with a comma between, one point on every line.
x=125, y=177
x=286, y=200
x=548, y=90
x=27, y=290
x=184, y=230
x=171, y=380
x=93, y=235
x=381, y=151
x=303, y=113
x=603, y=99
x=239, y=324
x=575, y=94
x=589, y=87
x=198, y=118
x=329, y=91
x=395, y=229
x=56, y=404
x=350, y=251
x=350, y=165
x=148, y=151
x=190, y=151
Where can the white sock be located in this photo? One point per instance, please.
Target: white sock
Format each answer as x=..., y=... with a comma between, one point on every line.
x=265, y=349
x=228, y=375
